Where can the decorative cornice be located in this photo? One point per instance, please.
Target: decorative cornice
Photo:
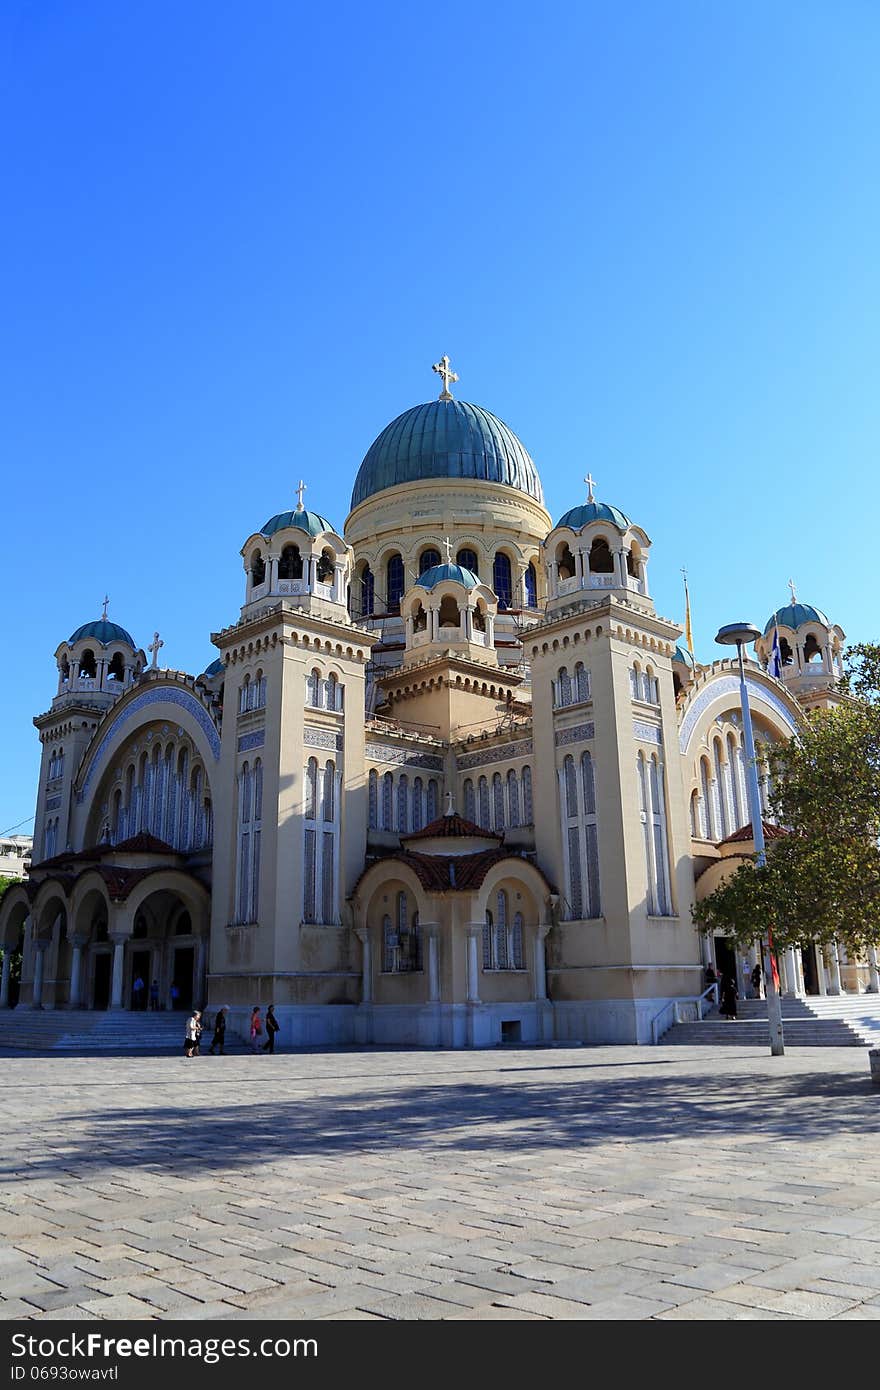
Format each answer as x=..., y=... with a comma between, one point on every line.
x=386, y=753
x=501, y=753
x=718, y=686
x=578, y=733
x=159, y=695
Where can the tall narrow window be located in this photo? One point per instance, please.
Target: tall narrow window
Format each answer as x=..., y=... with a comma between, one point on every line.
x=498, y=801
x=502, y=581
x=395, y=583
x=528, y=814
x=517, y=956
x=328, y=798
x=513, y=797
x=571, y=806
x=428, y=559
x=581, y=682
x=720, y=790
x=403, y=804
x=314, y=689
x=531, y=586
x=433, y=797
x=470, y=801
x=368, y=589
x=658, y=819
x=309, y=860
x=468, y=560
x=388, y=802
x=245, y=792
x=418, y=816
x=563, y=687
x=373, y=792
x=312, y=789
x=483, y=787
x=591, y=836
x=388, y=945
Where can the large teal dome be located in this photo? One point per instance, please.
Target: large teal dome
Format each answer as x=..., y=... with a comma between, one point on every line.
x=446, y=439
x=103, y=632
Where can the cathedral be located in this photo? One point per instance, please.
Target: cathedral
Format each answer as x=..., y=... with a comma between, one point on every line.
x=451, y=781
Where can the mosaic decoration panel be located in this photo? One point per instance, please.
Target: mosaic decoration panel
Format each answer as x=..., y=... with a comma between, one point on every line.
x=54, y=803
x=729, y=685
x=648, y=733
x=163, y=695
x=386, y=753
x=254, y=740
x=576, y=734
x=521, y=749
x=322, y=738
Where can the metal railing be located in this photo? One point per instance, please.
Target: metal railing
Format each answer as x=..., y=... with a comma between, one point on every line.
x=689, y=1010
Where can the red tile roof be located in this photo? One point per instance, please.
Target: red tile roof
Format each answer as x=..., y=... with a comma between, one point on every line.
x=453, y=827
x=451, y=873
x=771, y=832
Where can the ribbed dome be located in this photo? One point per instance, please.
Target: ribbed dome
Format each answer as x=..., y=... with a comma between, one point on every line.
x=311, y=522
x=576, y=518
x=437, y=573
x=446, y=439
x=794, y=615
x=103, y=632
x=216, y=668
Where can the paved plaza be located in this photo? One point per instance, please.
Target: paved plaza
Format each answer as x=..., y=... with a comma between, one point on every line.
x=551, y=1183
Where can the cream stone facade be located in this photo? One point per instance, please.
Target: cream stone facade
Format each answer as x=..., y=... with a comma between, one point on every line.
x=449, y=782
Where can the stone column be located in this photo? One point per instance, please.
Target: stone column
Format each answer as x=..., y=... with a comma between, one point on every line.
x=620, y=557
x=118, y=964
x=468, y=623
x=474, y=935
x=363, y=937
x=790, y=970
x=490, y=630
x=541, y=962
x=432, y=931
x=836, y=982
x=551, y=579
x=200, y=993
x=39, y=954
x=272, y=572
x=874, y=975
x=4, y=977
x=820, y=969
x=76, y=974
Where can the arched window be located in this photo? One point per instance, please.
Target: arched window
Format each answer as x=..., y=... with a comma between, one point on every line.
x=706, y=807
x=244, y=842
x=513, y=798
x=785, y=652
x=501, y=954
x=502, y=581
x=314, y=689
x=428, y=559
x=325, y=566
x=418, y=819
x=483, y=819
x=388, y=802
x=695, y=815
x=531, y=586
x=373, y=786
x=635, y=681
x=290, y=566
x=581, y=682
x=498, y=801
x=87, y=665
x=812, y=650
x=258, y=568
x=588, y=784
x=433, y=797
x=395, y=583
x=330, y=689
x=403, y=804
x=470, y=801
x=368, y=586
x=721, y=799
x=449, y=615
x=469, y=560
x=563, y=687
x=244, y=695
x=571, y=800
x=601, y=559
x=517, y=958
x=565, y=562
x=736, y=804
x=260, y=691
x=591, y=836
x=528, y=814
x=658, y=822
x=312, y=789
x=389, y=943
x=116, y=669
x=328, y=798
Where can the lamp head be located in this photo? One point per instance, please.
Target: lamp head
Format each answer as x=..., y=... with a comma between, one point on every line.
x=736, y=634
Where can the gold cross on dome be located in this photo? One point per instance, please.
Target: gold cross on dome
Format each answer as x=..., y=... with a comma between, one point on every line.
x=591, y=483
x=448, y=547
x=793, y=594
x=443, y=370
x=300, y=489
x=106, y=601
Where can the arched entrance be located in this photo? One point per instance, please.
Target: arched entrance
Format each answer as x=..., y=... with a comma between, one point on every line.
x=168, y=948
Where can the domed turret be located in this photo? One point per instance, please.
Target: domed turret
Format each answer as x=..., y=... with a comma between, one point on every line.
x=448, y=608
x=299, y=556
x=595, y=548
x=437, y=573
x=99, y=659
x=802, y=648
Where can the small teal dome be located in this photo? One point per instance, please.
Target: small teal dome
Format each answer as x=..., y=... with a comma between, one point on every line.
x=446, y=439
x=437, y=573
x=684, y=657
x=216, y=668
x=304, y=520
x=794, y=615
x=576, y=518
x=103, y=632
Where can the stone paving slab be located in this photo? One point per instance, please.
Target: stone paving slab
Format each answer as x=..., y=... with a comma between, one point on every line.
x=589, y=1183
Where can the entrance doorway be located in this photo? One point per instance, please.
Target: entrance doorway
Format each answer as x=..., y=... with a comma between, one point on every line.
x=103, y=972
x=811, y=973
x=182, y=976
x=725, y=957
x=140, y=969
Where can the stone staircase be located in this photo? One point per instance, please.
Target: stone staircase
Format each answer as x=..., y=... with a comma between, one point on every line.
x=847, y=1020
x=74, y=1030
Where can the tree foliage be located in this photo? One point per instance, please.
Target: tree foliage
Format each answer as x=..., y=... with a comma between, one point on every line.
x=821, y=881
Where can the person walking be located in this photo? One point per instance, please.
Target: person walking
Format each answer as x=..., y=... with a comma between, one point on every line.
x=138, y=998
x=154, y=995
x=272, y=1027
x=729, y=996
x=256, y=1029
x=193, y=1033
x=757, y=975
x=219, y=1038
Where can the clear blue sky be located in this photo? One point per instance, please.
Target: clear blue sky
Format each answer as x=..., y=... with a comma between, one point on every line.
x=236, y=236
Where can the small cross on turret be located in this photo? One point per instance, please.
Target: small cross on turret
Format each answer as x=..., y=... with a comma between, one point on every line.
x=590, y=482
x=300, y=489
x=106, y=601
x=443, y=370
x=793, y=593
x=155, y=647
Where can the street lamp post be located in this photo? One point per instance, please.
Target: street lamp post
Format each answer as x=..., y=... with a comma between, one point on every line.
x=738, y=634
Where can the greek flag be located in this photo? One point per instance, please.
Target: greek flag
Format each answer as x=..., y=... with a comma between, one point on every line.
x=774, y=665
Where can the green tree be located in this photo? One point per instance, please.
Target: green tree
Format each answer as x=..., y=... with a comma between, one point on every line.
x=821, y=881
